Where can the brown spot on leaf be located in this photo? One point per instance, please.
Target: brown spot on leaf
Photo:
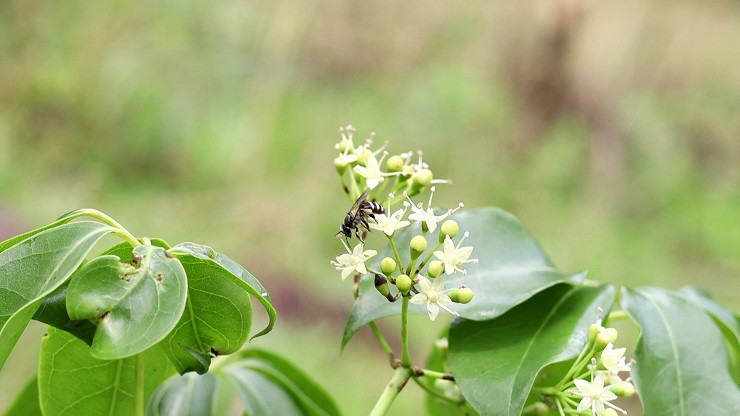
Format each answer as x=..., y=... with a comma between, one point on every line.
x=214, y=352
x=167, y=254
x=159, y=277
x=105, y=315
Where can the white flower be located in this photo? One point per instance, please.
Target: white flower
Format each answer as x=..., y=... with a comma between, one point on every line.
x=412, y=170
x=613, y=360
x=427, y=215
x=434, y=295
x=371, y=171
x=595, y=396
x=353, y=261
x=345, y=158
x=454, y=256
x=389, y=224
x=345, y=144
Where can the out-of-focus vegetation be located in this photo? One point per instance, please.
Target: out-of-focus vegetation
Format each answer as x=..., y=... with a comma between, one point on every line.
x=610, y=128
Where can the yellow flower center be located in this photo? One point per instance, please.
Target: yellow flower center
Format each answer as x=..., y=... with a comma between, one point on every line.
x=433, y=295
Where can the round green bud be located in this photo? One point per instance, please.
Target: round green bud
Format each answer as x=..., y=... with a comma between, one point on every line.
x=403, y=283
x=593, y=332
x=387, y=266
x=341, y=165
x=363, y=154
x=623, y=389
x=610, y=412
x=435, y=268
x=381, y=284
x=604, y=338
x=394, y=164
x=464, y=294
x=344, y=146
x=537, y=409
x=418, y=245
x=450, y=228
x=422, y=178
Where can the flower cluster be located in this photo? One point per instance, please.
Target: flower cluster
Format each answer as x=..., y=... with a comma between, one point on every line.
x=362, y=176
x=594, y=380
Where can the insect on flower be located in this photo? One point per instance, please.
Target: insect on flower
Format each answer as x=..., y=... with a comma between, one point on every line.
x=356, y=216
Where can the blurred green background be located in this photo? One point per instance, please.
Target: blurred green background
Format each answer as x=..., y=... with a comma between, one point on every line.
x=611, y=128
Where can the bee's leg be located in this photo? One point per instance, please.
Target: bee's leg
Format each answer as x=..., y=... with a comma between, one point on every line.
x=364, y=223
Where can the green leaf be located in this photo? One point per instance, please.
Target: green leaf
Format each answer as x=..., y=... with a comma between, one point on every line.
x=311, y=397
x=238, y=275
x=62, y=220
x=134, y=307
x=218, y=315
x=34, y=267
x=53, y=311
x=512, y=269
x=189, y=395
x=495, y=362
x=27, y=401
x=266, y=383
x=726, y=321
x=437, y=406
x=72, y=382
x=682, y=367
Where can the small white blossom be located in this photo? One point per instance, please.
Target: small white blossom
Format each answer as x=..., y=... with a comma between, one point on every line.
x=353, y=261
x=595, y=396
x=434, y=296
x=427, y=215
x=455, y=256
x=412, y=170
x=346, y=144
x=371, y=171
x=613, y=359
x=345, y=158
x=391, y=223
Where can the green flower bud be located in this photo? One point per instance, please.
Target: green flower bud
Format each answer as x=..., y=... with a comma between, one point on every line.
x=464, y=294
x=387, y=266
x=593, y=332
x=442, y=346
x=344, y=146
x=435, y=268
x=403, y=283
x=381, y=284
x=623, y=389
x=537, y=409
x=422, y=178
x=394, y=164
x=341, y=165
x=418, y=246
x=604, y=338
x=610, y=412
x=450, y=228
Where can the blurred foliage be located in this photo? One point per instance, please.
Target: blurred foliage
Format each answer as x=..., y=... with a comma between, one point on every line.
x=609, y=128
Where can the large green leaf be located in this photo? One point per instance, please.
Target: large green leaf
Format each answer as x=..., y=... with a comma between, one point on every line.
x=34, y=267
x=72, y=382
x=218, y=315
x=682, y=367
x=495, y=362
x=133, y=306
x=53, y=311
x=266, y=383
x=512, y=268
x=26, y=403
x=238, y=275
x=60, y=221
x=438, y=406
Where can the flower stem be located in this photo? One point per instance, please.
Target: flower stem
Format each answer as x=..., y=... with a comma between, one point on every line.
x=405, y=358
x=139, y=385
x=434, y=392
x=120, y=230
x=395, y=252
x=436, y=374
x=379, y=335
x=396, y=384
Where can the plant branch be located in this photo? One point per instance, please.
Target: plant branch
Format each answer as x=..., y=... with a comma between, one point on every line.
x=434, y=392
x=395, y=385
x=379, y=335
x=405, y=358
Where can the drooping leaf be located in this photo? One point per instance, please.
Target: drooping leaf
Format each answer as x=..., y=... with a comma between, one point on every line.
x=495, y=362
x=266, y=383
x=682, y=367
x=26, y=403
x=187, y=395
x=218, y=315
x=238, y=275
x=313, y=399
x=53, y=311
x=511, y=269
x=72, y=382
x=133, y=306
x=34, y=267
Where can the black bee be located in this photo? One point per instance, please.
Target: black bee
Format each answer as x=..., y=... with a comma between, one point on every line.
x=356, y=216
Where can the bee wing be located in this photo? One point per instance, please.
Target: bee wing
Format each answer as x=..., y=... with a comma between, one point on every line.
x=358, y=203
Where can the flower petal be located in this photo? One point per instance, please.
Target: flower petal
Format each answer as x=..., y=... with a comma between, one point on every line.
x=433, y=310
x=583, y=386
x=438, y=284
x=584, y=404
x=418, y=299
x=425, y=284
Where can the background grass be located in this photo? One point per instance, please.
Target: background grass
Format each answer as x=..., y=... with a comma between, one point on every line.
x=610, y=128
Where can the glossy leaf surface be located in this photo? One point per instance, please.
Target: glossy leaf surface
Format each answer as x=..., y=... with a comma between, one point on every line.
x=218, y=315
x=511, y=269
x=72, y=382
x=133, y=306
x=35, y=267
x=682, y=367
x=495, y=362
